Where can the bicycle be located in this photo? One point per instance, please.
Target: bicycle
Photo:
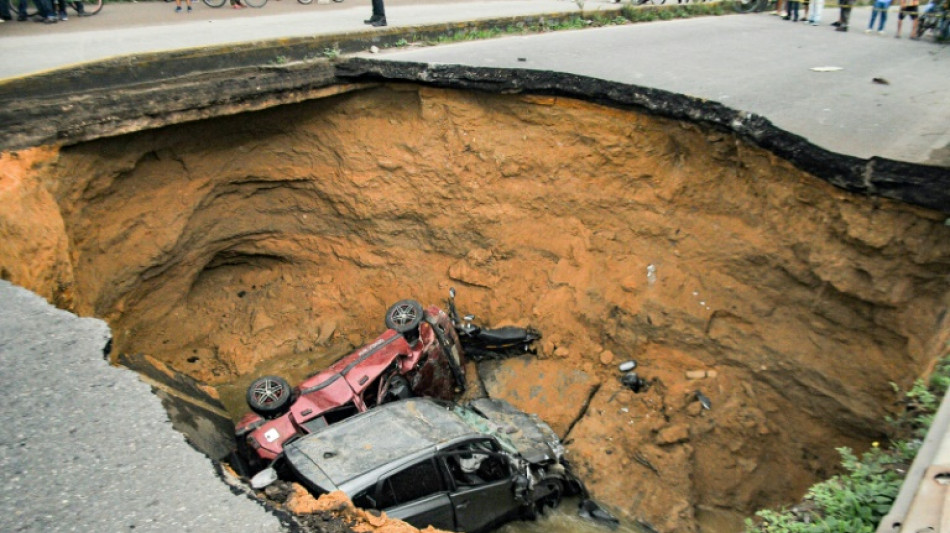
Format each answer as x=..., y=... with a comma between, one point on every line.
x=257, y=4
x=748, y=6
x=83, y=8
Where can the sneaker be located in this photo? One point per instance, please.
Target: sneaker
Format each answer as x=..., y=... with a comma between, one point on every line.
x=841, y=28
x=880, y=32
x=178, y=9
x=379, y=22
x=189, y=9
x=50, y=20
x=63, y=17
x=869, y=30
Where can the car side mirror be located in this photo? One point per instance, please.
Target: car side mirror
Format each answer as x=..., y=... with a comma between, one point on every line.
x=263, y=478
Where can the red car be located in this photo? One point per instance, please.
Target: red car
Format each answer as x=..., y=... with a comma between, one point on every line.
x=420, y=354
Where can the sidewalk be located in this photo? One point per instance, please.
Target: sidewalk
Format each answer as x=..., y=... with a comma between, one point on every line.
x=122, y=29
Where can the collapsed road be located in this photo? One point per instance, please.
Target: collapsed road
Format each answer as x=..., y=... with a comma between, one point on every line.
x=708, y=249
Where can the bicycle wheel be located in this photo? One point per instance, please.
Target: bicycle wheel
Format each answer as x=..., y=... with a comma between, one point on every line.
x=86, y=8
x=214, y=3
x=255, y=3
x=745, y=6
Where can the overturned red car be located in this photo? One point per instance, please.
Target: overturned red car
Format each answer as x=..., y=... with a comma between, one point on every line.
x=418, y=355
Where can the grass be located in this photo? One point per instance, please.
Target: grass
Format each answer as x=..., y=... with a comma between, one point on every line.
x=855, y=501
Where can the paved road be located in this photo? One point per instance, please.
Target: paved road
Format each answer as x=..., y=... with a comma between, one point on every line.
x=757, y=62
x=85, y=446
x=762, y=64
x=121, y=29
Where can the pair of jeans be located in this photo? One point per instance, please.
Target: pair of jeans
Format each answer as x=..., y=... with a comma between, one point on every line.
x=880, y=6
x=44, y=8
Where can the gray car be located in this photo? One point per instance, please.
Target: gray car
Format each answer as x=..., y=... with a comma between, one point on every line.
x=462, y=468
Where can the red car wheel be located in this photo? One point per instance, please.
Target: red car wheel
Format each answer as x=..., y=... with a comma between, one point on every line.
x=404, y=316
x=268, y=395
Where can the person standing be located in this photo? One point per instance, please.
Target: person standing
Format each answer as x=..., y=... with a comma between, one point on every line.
x=379, y=14
x=844, y=16
x=792, y=10
x=880, y=8
x=908, y=9
x=817, y=6
x=178, y=6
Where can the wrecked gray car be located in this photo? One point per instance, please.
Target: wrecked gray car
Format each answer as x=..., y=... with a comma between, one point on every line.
x=462, y=468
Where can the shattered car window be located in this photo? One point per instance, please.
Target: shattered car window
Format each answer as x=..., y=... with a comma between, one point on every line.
x=482, y=424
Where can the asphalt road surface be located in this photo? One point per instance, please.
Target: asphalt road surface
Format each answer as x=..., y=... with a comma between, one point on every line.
x=87, y=447
x=763, y=64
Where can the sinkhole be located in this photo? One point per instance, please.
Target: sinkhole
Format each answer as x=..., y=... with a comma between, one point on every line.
x=272, y=242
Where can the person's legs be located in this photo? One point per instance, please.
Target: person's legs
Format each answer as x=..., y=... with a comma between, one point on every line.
x=5, y=13
x=816, y=8
x=845, y=16
x=379, y=14
x=900, y=21
x=883, y=12
x=873, y=16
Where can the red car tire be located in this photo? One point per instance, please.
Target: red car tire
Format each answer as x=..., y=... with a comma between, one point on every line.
x=269, y=395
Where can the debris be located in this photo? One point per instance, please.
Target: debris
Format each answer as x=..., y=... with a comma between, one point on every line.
x=591, y=510
x=522, y=59
x=627, y=366
x=651, y=273
x=695, y=374
x=633, y=382
x=374, y=49
x=826, y=69
x=703, y=400
x=645, y=462
x=881, y=81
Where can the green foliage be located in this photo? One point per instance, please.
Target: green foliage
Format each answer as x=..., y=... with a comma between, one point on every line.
x=856, y=500
x=331, y=53
x=401, y=42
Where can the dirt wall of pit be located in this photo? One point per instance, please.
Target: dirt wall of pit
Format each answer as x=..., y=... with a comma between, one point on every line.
x=223, y=246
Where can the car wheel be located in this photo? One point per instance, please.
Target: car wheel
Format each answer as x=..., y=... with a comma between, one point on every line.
x=553, y=498
x=404, y=316
x=268, y=396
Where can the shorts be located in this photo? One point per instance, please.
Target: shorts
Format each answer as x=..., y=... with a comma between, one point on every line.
x=908, y=11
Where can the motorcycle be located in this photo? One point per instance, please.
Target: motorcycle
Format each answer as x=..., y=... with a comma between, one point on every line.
x=490, y=343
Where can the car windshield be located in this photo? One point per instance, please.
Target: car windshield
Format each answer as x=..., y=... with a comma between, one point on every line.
x=483, y=426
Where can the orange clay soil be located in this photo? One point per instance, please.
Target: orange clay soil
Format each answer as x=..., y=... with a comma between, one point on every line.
x=274, y=241
x=337, y=506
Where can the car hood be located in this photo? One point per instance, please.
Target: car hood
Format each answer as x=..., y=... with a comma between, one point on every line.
x=531, y=437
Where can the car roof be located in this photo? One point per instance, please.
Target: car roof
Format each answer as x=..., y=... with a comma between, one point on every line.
x=376, y=438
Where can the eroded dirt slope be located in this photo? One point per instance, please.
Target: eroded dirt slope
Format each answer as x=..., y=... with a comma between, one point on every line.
x=275, y=240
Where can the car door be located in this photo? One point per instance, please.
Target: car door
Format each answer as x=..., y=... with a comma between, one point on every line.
x=418, y=495
x=483, y=486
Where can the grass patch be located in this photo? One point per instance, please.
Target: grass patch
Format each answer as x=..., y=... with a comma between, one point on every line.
x=856, y=500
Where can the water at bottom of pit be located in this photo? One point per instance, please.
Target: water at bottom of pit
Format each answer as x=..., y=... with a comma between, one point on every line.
x=565, y=519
